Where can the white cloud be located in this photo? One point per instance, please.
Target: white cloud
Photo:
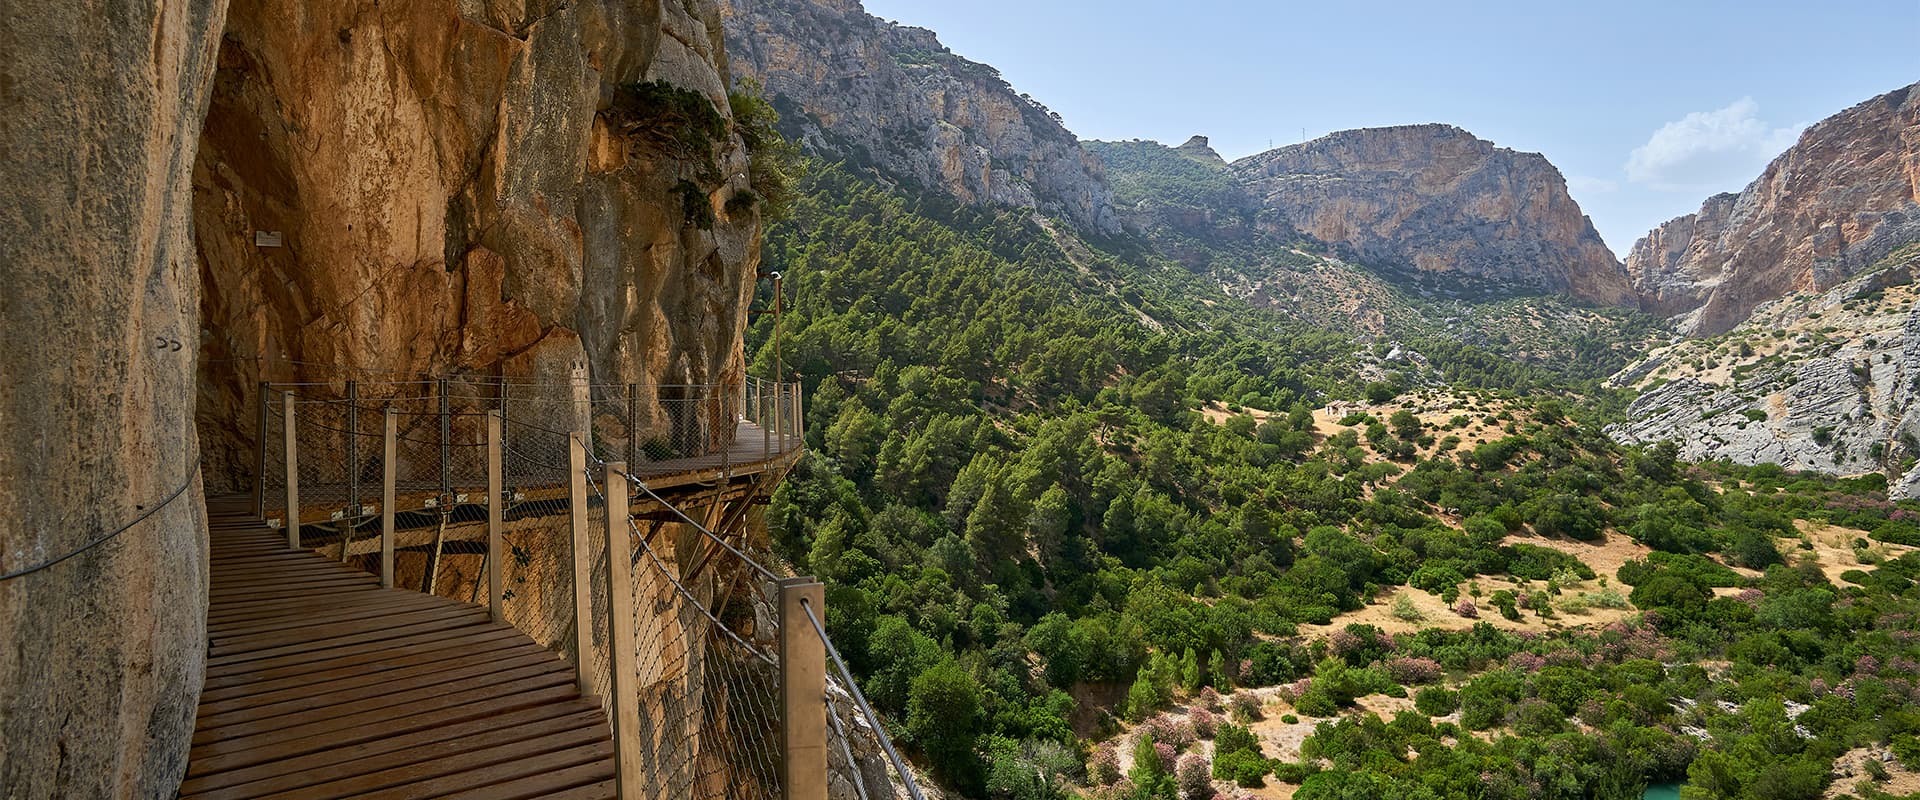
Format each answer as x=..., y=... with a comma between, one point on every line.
x=1709, y=150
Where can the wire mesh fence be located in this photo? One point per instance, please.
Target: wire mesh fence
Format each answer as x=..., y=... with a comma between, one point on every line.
x=704, y=670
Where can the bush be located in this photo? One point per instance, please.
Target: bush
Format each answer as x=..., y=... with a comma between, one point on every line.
x=1103, y=768
x=1194, y=778
x=1245, y=706
x=1245, y=769
x=1404, y=609
x=1204, y=723
x=1435, y=701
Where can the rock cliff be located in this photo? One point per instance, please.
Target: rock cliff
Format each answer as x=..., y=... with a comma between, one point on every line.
x=100, y=654
x=1843, y=197
x=1437, y=200
x=1820, y=382
x=893, y=97
x=490, y=188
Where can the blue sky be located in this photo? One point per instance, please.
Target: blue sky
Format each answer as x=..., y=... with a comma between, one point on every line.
x=1647, y=107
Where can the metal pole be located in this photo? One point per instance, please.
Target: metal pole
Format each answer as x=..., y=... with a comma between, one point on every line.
x=446, y=451
x=582, y=570
x=260, y=465
x=293, y=473
x=352, y=516
x=803, y=692
x=506, y=486
x=496, y=519
x=633, y=417
x=389, y=470
x=626, y=696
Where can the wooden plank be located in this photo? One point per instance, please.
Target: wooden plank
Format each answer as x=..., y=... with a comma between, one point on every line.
x=307, y=647
x=320, y=633
x=564, y=783
x=478, y=770
x=442, y=677
x=392, y=751
x=373, y=668
x=352, y=720
x=218, y=675
x=220, y=756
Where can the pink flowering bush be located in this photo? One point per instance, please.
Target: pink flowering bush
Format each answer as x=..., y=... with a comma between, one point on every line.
x=1209, y=699
x=1204, y=723
x=1246, y=706
x=1171, y=731
x=1104, y=766
x=1466, y=608
x=1414, y=671
x=1167, y=755
x=1194, y=777
x=1526, y=662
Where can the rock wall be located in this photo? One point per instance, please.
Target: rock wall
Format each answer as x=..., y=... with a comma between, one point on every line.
x=1810, y=382
x=1842, y=198
x=1435, y=199
x=464, y=186
x=101, y=655
x=893, y=97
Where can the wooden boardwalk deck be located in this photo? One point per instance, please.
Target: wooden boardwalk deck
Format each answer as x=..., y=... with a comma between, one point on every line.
x=322, y=684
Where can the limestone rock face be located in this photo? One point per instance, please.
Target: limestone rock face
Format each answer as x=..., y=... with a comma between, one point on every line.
x=454, y=191
x=893, y=97
x=1842, y=198
x=1437, y=200
x=101, y=655
x=1810, y=382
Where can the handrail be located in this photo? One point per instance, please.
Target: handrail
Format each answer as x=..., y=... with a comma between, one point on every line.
x=185, y=483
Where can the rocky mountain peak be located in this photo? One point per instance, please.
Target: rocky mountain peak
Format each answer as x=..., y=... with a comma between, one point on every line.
x=1842, y=198
x=1197, y=145
x=893, y=98
x=1436, y=199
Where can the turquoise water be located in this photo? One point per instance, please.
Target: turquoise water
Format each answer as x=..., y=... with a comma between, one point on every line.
x=1662, y=791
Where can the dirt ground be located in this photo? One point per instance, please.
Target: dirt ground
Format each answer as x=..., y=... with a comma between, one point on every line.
x=1833, y=548
x=1850, y=767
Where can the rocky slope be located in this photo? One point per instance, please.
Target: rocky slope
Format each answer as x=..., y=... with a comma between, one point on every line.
x=101, y=654
x=892, y=97
x=1821, y=382
x=1438, y=201
x=1843, y=197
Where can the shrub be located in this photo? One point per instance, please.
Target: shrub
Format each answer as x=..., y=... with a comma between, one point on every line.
x=1413, y=670
x=1103, y=768
x=1467, y=609
x=1246, y=706
x=1204, y=723
x=1435, y=701
x=1194, y=778
x=1403, y=608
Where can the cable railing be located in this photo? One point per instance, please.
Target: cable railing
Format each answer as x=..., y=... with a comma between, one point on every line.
x=711, y=666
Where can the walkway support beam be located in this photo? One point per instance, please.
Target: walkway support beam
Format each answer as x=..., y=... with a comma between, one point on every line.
x=582, y=566
x=803, y=691
x=626, y=695
x=496, y=517
x=389, y=472
x=293, y=474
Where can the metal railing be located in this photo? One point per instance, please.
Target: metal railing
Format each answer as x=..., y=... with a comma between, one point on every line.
x=712, y=667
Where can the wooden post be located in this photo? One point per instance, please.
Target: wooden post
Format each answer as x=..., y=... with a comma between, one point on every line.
x=582, y=569
x=389, y=471
x=495, y=517
x=803, y=691
x=620, y=621
x=352, y=516
x=260, y=464
x=293, y=474
x=766, y=427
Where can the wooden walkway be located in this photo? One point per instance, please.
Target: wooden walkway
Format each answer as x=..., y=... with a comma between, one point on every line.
x=322, y=684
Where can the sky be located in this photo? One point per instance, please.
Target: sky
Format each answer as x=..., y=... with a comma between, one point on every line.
x=1646, y=107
